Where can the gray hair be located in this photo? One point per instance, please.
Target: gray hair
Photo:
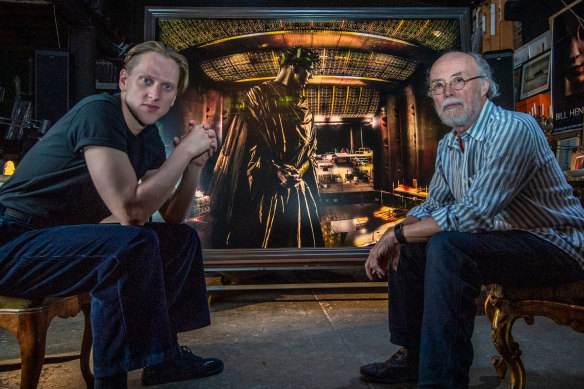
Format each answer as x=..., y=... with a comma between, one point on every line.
x=484, y=69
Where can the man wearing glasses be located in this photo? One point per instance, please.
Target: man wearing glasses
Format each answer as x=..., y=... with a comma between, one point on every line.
x=499, y=210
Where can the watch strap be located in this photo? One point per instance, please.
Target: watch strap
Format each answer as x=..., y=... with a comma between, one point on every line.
x=397, y=231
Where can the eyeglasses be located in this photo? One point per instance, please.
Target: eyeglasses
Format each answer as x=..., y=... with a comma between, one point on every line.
x=456, y=83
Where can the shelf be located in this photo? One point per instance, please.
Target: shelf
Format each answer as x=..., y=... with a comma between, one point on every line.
x=106, y=85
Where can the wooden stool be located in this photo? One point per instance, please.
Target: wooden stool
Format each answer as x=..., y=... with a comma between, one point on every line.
x=29, y=321
x=564, y=304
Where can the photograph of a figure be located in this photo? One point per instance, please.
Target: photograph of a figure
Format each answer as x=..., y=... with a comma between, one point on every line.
x=568, y=68
x=264, y=182
x=326, y=135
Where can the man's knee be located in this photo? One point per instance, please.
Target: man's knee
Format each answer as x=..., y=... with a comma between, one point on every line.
x=188, y=232
x=450, y=254
x=175, y=233
x=444, y=242
x=144, y=246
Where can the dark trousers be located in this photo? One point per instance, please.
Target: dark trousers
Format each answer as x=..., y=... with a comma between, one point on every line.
x=432, y=294
x=146, y=283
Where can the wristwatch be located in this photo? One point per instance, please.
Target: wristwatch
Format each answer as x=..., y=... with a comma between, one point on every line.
x=397, y=231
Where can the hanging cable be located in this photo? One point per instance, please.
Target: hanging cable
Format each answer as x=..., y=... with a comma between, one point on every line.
x=578, y=17
x=56, y=26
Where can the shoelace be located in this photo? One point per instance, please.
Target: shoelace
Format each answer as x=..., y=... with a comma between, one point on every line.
x=185, y=353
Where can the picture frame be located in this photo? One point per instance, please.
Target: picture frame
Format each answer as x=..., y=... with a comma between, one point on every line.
x=567, y=89
x=520, y=56
x=539, y=45
x=214, y=102
x=516, y=82
x=535, y=75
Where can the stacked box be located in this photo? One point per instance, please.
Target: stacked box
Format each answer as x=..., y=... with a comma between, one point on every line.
x=498, y=33
x=538, y=105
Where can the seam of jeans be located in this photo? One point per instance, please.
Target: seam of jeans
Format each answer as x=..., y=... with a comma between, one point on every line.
x=124, y=326
x=63, y=256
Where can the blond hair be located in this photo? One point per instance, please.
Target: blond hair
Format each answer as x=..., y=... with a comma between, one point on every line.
x=133, y=59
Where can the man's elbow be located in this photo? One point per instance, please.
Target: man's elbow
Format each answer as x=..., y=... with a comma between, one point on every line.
x=133, y=216
x=172, y=219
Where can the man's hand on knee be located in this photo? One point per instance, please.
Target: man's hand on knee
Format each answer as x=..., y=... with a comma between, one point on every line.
x=385, y=251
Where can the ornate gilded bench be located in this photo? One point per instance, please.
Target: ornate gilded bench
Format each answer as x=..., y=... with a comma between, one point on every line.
x=564, y=304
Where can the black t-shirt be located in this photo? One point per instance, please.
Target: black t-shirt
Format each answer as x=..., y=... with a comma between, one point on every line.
x=52, y=180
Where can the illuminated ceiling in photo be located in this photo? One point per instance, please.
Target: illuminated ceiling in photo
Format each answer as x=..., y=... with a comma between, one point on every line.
x=358, y=58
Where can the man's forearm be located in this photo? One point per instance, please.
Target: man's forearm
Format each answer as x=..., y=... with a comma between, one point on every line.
x=176, y=208
x=410, y=220
x=131, y=202
x=419, y=231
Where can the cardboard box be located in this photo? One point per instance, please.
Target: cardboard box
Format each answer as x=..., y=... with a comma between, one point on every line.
x=498, y=33
x=538, y=105
x=486, y=21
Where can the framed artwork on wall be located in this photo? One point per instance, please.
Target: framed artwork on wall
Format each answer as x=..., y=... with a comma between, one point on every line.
x=369, y=59
x=567, y=87
x=535, y=76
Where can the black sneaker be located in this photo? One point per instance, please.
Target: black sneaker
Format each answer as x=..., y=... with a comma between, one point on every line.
x=400, y=368
x=186, y=366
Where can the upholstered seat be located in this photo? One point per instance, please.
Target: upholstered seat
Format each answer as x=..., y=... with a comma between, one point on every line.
x=564, y=304
x=29, y=320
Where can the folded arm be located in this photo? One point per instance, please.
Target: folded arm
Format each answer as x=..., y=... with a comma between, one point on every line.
x=132, y=202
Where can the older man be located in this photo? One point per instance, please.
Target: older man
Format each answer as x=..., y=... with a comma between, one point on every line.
x=499, y=210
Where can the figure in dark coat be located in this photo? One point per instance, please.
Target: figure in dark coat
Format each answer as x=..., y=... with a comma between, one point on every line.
x=265, y=191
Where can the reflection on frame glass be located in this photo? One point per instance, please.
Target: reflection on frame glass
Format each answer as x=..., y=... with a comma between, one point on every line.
x=535, y=76
x=332, y=164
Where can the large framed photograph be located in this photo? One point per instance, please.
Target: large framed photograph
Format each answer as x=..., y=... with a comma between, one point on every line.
x=535, y=76
x=331, y=164
x=567, y=70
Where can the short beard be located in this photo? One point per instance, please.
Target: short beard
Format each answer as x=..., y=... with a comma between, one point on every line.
x=457, y=121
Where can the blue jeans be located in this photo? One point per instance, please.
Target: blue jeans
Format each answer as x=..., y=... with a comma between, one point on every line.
x=146, y=283
x=432, y=294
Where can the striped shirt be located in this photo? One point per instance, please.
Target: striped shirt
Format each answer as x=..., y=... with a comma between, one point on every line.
x=507, y=178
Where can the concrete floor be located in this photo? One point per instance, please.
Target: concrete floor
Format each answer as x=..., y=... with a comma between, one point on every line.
x=314, y=339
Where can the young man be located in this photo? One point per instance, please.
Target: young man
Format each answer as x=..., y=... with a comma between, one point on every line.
x=265, y=189
x=499, y=210
x=74, y=218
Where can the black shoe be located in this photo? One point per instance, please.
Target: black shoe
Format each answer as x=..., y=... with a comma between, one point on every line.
x=186, y=366
x=401, y=367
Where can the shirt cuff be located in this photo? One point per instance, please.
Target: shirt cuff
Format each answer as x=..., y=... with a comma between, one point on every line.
x=419, y=212
x=445, y=219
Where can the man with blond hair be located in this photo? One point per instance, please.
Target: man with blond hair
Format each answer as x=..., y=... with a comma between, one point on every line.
x=74, y=218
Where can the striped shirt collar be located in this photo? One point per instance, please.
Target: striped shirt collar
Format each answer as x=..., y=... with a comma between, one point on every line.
x=478, y=129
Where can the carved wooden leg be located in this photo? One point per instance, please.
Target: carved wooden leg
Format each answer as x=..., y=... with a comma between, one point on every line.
x=497, y=362
x=501, y=325
x=86, y=348
x=32, y=336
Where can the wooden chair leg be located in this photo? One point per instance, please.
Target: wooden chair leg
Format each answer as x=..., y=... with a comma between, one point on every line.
x=32, y=336
x=86, y=344
x=502, y=322
x=497, y=362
